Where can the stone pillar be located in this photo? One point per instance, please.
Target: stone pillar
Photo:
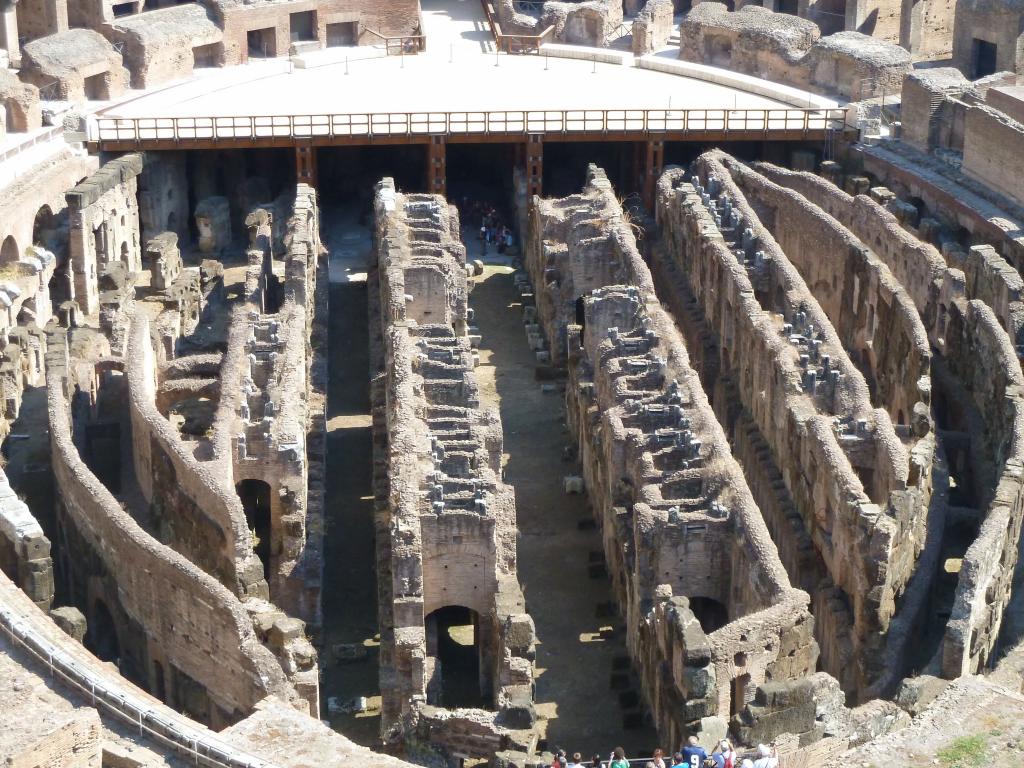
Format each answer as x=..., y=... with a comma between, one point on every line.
x=654, y=161
x=534, y=159
x=305, y=165
x=9, y=31
x=437, y=166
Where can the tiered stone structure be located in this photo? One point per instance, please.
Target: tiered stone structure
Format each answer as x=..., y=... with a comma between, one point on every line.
x=693, y=565
x=445, y=520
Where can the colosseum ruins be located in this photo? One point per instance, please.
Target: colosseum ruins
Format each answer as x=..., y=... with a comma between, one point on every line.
x=442, y=383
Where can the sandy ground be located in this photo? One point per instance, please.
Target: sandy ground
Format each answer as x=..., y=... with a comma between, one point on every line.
x=577, y=648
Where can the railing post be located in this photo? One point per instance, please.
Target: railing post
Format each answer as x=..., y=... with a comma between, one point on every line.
x=437, y=166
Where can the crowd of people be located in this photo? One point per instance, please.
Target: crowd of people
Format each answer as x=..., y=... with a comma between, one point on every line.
x=690, y=755
x=492, y=231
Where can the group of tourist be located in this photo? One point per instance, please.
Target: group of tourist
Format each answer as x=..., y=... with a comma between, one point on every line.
x=493, y=231
x=690, y=755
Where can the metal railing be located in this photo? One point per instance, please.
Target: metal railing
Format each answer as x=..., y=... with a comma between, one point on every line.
x=198, y=746
x=515, y=43
x=506, y=122
x=401, y=44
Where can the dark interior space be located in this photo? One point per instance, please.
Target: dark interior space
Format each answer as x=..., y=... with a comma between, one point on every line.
x=255, y=496
x=458, y=655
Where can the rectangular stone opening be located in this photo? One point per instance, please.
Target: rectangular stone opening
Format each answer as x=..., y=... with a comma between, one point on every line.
x=303, y=26
x=121, y=10
x=206, y=55
x=96, y=87
x=984, y=58
x=342, y=34
x=261, y=43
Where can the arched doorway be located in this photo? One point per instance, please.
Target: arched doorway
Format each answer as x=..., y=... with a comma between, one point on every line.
x=453, y=639
x=9, y=251
x=45, y=231
x=101, y=637
x=255, y=497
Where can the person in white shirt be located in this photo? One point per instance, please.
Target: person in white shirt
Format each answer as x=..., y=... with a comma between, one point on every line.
x=767, y=757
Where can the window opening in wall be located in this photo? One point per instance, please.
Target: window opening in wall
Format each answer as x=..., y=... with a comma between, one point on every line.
x=255, y=497
x=303, y=26
x=983, y=55
x=260, y=43
x=788, y=6
x=453, y=640
x=206, y=55
x=124, y=9
x=96, y=87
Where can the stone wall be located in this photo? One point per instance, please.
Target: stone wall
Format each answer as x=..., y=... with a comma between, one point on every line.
x=266, y=418
x=165, y=45
x=653, y=26
x=445, y=520
x=998, y=23
x=104, y=227
x=24, y=548
x=79, y=63
x=682, y=535
x=273, y=21
x=992, y=151
x=196, y=628
x=974, y=337
x=775, y=405
x=784, y=48
x=874, y=316
x=980, y=354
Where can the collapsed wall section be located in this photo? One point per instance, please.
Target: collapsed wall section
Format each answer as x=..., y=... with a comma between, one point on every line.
x=839, y=490
x=445, y=520
x=692, y=563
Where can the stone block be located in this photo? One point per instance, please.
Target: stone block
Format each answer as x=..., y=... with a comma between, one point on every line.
x=70, y=620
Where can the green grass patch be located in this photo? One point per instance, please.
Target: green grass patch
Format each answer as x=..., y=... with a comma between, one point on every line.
x=965, y=752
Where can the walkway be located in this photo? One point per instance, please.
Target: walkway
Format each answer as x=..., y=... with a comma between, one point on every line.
x=327, y=94
x=350, y=641
x=579, y=642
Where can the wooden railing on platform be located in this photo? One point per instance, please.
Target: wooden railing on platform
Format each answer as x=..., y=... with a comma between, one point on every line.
x=678, y=124
x=515, y=43
x=402, y=44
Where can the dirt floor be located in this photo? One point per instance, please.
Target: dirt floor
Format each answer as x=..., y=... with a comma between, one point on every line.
x=349, y=654
x=579, y=642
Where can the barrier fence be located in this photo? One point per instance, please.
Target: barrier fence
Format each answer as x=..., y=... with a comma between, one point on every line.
x=509, y=123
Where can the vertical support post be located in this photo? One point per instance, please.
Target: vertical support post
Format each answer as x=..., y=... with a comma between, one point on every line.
x=305, y=164
x=654, y=162
x=534, y=165
x=437, y=166
x=9, y=33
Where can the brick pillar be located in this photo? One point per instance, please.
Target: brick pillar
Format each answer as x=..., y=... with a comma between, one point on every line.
x=437, y=166
x=534, y=159
x=305, y=165
x=654, y=162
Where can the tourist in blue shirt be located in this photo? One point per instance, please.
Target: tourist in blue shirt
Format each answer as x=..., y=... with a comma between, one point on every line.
x=693, y=753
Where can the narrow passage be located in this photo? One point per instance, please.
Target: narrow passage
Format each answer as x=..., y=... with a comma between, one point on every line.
x=350, y=643
x=582, y=642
